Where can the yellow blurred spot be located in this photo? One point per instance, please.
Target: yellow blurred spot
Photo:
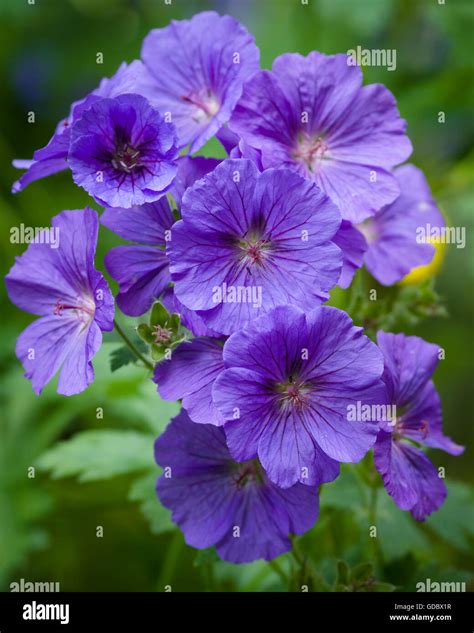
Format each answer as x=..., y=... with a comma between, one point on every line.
x=420, y=273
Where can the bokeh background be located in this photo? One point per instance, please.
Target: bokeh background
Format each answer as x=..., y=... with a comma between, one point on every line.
x=48, y=523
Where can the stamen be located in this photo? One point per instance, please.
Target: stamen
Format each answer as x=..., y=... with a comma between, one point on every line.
x=254, y=250
x=311, y=151
x=292, y=393
x=126, y=159
x=247, y=472
x=59, y=307
x=161, y=334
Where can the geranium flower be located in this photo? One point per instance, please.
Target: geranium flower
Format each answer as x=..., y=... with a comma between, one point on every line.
x=199, y=67
x=394, y=247
x=250, y=241
x=218, y=501
x=408, y=475
x=311, y=114
x=123, y=152
x=53, y=157
x=72, y=298
x=285, y=392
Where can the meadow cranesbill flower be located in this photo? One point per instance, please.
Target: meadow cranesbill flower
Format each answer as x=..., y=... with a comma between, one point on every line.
x=199, y=66
x=53, y=157
x=189, y=375
x=250, y=241
x=72, y=298
x=408, y=475
x=285, y=392
x=396, y=242
x=141, y=269
x=218, y=501
x=311, y=114
x=123, y=152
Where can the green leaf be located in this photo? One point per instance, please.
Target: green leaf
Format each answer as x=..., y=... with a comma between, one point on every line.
x=397, y=532
x=346, y=493
x=143, y=490
x=454, y=521
x=95, y=455
x=123, y=355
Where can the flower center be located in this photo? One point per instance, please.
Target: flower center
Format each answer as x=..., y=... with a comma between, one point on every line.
x=247, y=472
x=253, y=250
x=84, y=309
x=292, y=393
x=126, y=158
x=311, y=151
x=368, y=229
x=401, y=429
x=161, y=334
x=206, y=102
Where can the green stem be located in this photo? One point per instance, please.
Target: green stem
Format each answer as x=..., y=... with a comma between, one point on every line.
x=373, y=505
x=132, y=347
x=305, y=568
x=279, y=571
x=372, y=512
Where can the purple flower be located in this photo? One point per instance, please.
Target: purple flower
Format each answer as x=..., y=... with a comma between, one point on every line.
x=218, y=501
x=72, y=298
x=53, y=158
x=311, y=114
x=250, y=241
x=285, y=392
x=189, y=375
x=393, y=234
x=141, y=270
x=199, y=66
x=408, y=475
x=122, y=152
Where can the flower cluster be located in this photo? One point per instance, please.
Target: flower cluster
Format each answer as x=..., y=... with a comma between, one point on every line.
x=236, y=259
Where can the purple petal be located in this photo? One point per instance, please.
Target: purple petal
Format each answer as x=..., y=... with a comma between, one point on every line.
x=142, y=274
x=201, y=82
x=409, y=476
x=190, y=170
x=189, y=375
x=394, y=248
x=353, y=247
x=147, y=224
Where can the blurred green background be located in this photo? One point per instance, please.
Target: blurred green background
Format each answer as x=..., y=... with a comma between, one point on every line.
x=48, y=523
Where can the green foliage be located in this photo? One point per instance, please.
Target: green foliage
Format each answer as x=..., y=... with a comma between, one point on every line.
x=143, y=491
x=359, y=578
x=123, y=355
x=96, y=455
x=392, y=309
